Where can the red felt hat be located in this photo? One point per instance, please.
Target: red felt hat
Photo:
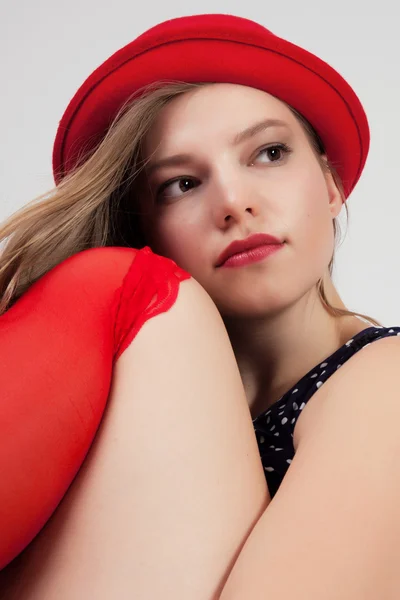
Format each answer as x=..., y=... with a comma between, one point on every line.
x=225, y=49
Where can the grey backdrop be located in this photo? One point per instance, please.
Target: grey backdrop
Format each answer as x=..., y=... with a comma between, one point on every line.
x=49, y=47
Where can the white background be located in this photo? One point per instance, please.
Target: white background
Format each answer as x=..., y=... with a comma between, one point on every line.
x=48, y=48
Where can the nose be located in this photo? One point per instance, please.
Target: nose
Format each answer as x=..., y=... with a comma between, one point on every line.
x=234, y=199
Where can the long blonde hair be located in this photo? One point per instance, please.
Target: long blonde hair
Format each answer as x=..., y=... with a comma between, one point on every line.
x=96, y=205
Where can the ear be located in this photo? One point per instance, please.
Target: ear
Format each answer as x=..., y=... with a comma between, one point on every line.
x=335, y=197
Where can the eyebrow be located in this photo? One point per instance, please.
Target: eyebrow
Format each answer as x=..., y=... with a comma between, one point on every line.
x=242, y=136
x=257, y=128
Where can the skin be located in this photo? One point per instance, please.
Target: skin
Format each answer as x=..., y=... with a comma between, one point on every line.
x=333, y=526
x=229, y=191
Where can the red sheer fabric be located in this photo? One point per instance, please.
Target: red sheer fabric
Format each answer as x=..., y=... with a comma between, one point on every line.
x=58, y=345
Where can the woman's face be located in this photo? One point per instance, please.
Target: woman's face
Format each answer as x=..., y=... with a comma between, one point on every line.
x=228, y=161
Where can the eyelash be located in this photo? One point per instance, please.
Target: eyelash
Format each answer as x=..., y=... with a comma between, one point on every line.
x=280, y=146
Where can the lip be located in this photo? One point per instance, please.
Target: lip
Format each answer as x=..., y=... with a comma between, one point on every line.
x=241, y=246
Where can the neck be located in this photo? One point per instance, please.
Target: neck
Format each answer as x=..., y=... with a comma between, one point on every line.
x=274, y=352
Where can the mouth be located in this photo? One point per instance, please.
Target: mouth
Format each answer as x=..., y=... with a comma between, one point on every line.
x=252, y=249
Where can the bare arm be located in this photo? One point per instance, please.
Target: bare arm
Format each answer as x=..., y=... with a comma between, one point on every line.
x=173, y=483
x=332, y=531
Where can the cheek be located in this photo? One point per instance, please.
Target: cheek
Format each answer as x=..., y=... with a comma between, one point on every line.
x=174, y=237
x=315, y=231
x=309, y=220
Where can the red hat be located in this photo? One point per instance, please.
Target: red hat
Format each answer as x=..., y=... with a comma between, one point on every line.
x=224, y=49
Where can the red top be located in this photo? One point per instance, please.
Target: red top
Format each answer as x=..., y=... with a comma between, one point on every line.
x=58, y=346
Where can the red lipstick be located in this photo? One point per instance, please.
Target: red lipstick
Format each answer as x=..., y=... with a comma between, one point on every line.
x=253, y=249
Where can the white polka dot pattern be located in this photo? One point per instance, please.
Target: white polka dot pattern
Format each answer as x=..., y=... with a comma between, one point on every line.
x=276, y=425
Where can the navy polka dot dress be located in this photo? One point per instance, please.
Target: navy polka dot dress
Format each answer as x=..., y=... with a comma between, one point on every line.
x=274, y=428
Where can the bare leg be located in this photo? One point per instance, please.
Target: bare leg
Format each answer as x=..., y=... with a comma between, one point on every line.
x=173, y=483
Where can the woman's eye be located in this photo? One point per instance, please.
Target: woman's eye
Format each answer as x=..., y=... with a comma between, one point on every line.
x=274, y=153
x=175, y=188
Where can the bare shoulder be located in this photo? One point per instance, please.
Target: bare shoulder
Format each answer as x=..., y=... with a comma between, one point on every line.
x=366, y=384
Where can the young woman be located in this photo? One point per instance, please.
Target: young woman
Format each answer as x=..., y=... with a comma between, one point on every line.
x=172, y=300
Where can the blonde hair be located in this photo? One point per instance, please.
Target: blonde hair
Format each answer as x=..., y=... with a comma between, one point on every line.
x=97, y=205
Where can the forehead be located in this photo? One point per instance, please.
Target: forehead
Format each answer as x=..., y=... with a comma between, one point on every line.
x=214, y=111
